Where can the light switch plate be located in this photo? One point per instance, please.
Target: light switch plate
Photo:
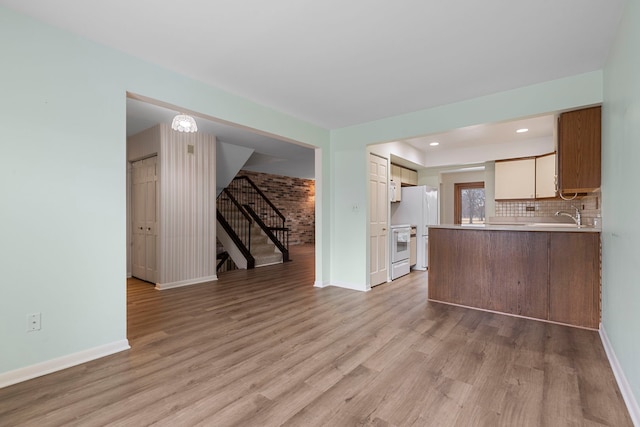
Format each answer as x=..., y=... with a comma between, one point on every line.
x=33, y=322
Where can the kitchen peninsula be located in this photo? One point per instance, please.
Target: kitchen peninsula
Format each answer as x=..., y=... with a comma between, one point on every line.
x=546, y=272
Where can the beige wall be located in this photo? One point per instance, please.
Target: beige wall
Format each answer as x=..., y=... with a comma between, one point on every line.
x=448, y=181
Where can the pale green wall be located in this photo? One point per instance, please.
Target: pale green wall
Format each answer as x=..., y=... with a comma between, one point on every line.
x=620, y=204
x=62, y=182
x=349, y=249
x=62, y=222
x=561, y=94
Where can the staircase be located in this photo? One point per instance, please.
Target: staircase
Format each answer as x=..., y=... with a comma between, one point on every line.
x=251, y=229
x=264, y=251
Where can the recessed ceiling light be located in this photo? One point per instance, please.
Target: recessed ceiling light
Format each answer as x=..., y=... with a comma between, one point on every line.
x=523, y=130
x=434, y=143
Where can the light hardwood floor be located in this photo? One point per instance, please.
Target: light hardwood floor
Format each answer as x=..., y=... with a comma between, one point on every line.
x=266, y=348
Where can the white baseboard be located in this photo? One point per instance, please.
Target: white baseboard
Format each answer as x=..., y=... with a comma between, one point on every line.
x=60, y=363
x=346, y=285
x=623, y=384
x=320, y=284
x=196, y=281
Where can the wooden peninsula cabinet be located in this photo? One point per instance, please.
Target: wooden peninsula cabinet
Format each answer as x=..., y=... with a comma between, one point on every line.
x=547, y=275
x=579, y=150
x=574, y=278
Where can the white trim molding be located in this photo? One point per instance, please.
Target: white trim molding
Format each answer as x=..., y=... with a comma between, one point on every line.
x=60, y=363
x=345, y=285
x=181, y=283
x=623, y=384
x=320, y=284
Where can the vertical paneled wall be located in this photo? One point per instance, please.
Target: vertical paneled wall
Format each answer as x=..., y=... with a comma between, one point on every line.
x=187, y=208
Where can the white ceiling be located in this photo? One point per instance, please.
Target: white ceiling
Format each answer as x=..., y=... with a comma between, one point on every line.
x=488, y=134
x=271, y=155
x=339, y=63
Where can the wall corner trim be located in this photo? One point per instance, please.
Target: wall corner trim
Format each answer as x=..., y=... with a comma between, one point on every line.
x=196, y=281
x=623, y=384
x=320, y=284
x=60, y=363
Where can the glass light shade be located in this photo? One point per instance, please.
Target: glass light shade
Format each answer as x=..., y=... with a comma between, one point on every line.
x=184, y=123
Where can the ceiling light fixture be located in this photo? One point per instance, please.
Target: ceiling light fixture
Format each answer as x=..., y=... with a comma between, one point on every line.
x=184, y=123
x=434, y=143
x=523, y=130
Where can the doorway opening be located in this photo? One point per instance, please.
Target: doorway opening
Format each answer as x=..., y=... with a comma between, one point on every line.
x=269, y=155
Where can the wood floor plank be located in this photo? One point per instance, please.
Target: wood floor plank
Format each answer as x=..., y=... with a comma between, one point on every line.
x=266, y=348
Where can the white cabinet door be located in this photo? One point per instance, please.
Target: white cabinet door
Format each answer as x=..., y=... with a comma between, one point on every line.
x=409, y=177
x=515, y=179
x=546, y=176
x=396, y=174
x=144, y=233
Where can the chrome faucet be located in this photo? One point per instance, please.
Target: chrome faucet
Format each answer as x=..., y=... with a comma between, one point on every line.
x=577, y=219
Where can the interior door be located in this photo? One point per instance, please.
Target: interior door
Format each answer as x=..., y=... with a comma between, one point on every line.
x=378, y=219
x=144, y=233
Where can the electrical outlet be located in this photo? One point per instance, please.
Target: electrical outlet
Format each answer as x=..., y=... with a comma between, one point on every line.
x=33, y=322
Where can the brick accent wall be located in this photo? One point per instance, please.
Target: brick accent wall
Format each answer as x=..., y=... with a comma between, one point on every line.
x=295, y=198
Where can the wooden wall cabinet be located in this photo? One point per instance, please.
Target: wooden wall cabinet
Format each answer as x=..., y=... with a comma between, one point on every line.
x=543, y=275
x=579, y=150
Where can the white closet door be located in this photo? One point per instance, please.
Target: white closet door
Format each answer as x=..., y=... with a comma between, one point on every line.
x=145, y=236
x=378, y=219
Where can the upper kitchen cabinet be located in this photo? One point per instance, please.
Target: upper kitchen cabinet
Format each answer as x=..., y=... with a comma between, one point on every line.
x=403, y=176
x=528, y=178
x=396, y=174
x=409, y=177
x=515, y=179
x=579, y=140
x=546, y=176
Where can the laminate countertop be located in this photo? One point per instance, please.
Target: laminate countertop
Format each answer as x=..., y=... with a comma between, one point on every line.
x=522, y=227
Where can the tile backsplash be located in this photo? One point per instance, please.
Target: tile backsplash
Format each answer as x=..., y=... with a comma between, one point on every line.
x=589, y=206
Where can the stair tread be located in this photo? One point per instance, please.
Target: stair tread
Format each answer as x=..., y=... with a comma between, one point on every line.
x=263, y=250
x=268, y=260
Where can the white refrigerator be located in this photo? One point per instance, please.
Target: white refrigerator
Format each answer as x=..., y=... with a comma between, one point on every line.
x=419, y=207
